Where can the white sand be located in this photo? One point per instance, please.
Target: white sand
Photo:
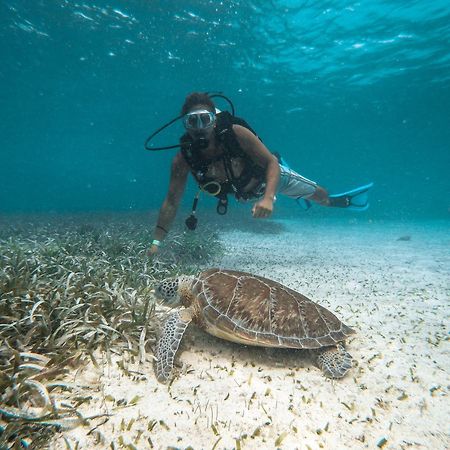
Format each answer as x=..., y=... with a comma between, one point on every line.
x=394, y=293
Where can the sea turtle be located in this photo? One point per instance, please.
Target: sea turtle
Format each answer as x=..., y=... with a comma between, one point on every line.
x=251, y=310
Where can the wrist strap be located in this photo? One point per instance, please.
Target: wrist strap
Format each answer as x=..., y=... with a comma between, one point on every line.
x=156, y=242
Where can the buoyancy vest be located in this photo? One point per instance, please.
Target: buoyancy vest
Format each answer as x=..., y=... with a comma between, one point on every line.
x=226, y=136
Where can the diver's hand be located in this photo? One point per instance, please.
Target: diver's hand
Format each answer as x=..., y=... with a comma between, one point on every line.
x=263, y=208
x=153, y=250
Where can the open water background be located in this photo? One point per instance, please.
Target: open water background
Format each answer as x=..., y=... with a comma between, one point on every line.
x=348, y=92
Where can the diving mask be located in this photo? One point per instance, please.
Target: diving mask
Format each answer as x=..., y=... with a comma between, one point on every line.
x=199, y=120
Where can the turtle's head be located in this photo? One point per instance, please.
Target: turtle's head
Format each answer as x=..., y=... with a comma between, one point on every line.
x=172, y=291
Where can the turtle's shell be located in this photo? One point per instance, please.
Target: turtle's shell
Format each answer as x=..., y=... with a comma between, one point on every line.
x=253, y=310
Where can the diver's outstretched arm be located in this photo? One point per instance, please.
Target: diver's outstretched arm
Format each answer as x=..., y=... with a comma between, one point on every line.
x=260, y=155
x=168, y=211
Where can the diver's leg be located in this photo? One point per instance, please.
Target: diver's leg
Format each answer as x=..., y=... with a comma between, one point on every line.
x=320, y=196
x=295, y=186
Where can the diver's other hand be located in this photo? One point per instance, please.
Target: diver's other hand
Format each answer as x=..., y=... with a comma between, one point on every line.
x=153, y=250
x=263, y=208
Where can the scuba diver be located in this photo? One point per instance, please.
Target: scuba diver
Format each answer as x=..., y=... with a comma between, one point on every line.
x=225, y=156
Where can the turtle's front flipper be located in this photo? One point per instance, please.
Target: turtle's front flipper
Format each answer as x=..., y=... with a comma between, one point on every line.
x=169, y=341
x=334, y=361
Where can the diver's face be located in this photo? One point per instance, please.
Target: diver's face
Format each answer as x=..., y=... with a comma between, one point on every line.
x=200, y=122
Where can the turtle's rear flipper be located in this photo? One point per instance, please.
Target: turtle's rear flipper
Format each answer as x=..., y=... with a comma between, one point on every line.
x=334, y=361
x=169, y=341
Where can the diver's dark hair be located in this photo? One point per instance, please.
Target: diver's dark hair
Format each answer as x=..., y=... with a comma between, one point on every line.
x=197, y=98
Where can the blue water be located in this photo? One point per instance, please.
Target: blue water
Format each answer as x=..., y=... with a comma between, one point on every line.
x=348, y=92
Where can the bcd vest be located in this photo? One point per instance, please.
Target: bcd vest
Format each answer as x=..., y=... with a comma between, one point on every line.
x=225, y=136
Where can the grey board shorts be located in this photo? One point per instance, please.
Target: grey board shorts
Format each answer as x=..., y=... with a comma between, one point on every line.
x=291, y=184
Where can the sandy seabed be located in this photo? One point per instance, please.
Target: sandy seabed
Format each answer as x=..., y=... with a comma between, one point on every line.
x=389, y=281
